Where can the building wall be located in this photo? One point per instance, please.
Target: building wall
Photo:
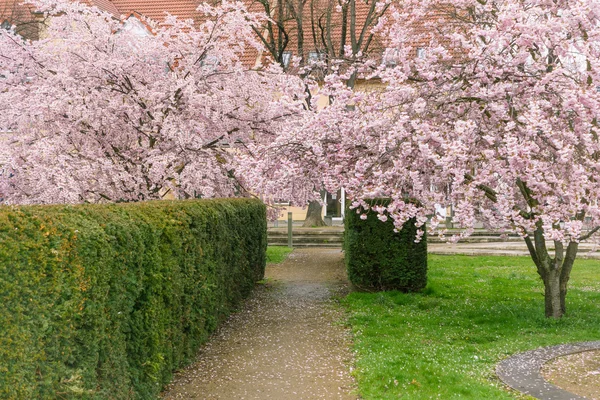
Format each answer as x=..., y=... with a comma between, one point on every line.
x=298, y=213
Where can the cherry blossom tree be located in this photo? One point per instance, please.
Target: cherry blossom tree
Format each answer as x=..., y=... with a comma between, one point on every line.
x=496, y=113
x=100, y=112
x=307, y=38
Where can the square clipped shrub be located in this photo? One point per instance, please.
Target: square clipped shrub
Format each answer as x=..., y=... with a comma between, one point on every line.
x=377, y=258
x=106, y=301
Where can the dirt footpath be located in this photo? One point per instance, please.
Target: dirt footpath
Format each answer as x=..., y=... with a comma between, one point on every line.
x=578, y=373
x=287, y=341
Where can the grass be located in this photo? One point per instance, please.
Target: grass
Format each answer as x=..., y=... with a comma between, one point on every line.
x=276, y=254
x=444, y=343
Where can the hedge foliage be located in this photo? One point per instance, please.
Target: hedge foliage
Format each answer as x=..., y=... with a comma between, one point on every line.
x=377, y=258
x=105, y=301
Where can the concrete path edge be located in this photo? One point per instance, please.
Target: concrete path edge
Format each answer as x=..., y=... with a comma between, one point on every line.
x=522, y=371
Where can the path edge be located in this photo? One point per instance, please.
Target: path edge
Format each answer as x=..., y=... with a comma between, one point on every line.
x=522, y=371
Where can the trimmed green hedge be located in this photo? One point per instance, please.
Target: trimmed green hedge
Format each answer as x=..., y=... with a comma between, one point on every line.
x=105, y=301
x=377, y=258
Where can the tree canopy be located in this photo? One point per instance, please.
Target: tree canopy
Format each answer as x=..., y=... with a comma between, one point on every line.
x=492, y=106
x=99, y=112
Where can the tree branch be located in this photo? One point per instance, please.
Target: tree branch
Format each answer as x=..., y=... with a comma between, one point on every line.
x=589, y=234
x=532, y=250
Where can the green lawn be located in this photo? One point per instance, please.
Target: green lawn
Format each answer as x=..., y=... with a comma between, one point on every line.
x=445, y=342
x=276, y=254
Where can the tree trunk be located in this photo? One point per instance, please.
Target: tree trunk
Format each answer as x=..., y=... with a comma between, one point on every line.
x=314, y=215
x=300, y=28
x=555, y=272
x=554, y=298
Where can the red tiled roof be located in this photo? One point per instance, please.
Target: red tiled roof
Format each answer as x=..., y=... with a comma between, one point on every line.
x=318, y=8
x=13, y=9
x=20, y=15
x=153, y=9
x=104, y=5
x=158, y=9
x=186, y=9
x=17, y=8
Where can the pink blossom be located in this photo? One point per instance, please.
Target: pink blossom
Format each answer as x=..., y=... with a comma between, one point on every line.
x=101, y=113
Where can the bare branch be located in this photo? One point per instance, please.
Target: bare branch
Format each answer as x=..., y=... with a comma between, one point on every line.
x=589, y=234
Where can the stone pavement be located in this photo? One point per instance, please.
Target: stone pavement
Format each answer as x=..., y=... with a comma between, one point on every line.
x=522, y=371
x=482, y=242
x=508, y=248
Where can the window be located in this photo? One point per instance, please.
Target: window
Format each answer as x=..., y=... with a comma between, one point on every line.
x=6, y=25
x=135, y=26
x=286, y=57
x=315, y=56
x=210, y=61
x=421, y=52
x=391, y=57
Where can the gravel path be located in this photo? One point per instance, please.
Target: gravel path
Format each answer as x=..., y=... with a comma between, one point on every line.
x=523, y=371
x=286, y=342
x=578, y=373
